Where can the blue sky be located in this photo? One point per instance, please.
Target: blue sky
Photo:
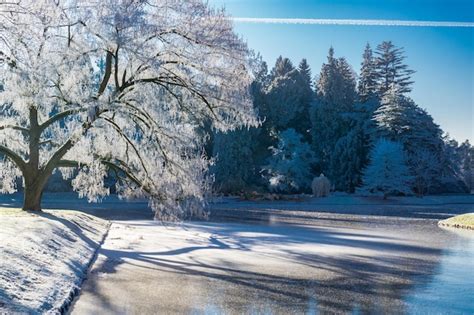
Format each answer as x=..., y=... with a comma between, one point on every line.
x=443, y=57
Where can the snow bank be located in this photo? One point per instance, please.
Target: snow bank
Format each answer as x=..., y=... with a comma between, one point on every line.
x=44, y=257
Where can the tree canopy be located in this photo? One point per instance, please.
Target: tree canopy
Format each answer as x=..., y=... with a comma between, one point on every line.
x=122, y=87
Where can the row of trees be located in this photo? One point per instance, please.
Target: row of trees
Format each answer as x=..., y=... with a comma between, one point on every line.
x=346, y=127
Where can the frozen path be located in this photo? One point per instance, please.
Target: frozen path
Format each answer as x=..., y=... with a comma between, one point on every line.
x=222, y=268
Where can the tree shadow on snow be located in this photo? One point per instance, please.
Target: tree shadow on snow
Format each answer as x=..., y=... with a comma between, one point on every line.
x=335, y=283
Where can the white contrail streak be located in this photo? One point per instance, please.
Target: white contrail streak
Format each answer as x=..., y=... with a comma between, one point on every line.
x=353, y=22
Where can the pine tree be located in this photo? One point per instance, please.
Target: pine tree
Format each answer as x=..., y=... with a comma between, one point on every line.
x=450, y=175
x=346, y=161
x=391, y=68
x=367, y=87
x=332, y=113
x=282, y=99
x=234, y=168
x=399, y=119
x=289, y=166
x=302, y=122
x=282, y=67
x=466, y=153
x=387, y=172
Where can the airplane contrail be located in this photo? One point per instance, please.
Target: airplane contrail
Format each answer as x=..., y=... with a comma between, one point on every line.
x=352, y=22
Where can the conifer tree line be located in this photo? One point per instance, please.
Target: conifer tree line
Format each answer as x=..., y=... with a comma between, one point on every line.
x=363, y=132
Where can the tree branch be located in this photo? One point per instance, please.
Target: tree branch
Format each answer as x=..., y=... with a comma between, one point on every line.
x=108, y=72
x=14, y=157
x=69, y=163
x=121, y=133
x=58, y=117
x=19, y=128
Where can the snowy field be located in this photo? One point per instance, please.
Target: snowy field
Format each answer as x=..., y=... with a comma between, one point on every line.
x=44, y=257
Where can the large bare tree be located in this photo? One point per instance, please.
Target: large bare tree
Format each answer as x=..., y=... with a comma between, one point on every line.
x=117, y=85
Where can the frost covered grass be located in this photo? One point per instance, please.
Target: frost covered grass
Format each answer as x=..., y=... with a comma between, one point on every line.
x=44, y=257
x=464, y=221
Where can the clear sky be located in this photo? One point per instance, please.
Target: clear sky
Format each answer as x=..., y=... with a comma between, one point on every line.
x=442, y=56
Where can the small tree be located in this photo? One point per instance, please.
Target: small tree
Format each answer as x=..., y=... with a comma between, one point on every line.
x=289, y=168
x=387, y=172
x=424, y=166
x=121, y=86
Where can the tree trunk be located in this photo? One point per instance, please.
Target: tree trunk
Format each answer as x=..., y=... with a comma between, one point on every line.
x=35, y=179
x=34, y=185
x=32, y=198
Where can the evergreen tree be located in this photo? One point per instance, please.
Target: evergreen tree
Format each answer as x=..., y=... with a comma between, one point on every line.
x=302, y=122
x=466, y=153
x=387, y=172
x=450, y=176
x=391, y=69
x=332, y=113
x=346, y=161
x=234, y=168
x=286, y=98
x=289, y=166
x=367, y=87
x=282, y=96
x=399, y=119
x=282, y=67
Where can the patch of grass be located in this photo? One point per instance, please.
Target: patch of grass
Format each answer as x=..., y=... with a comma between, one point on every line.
x=16, y=212
x=11, y=211
x=464, y=221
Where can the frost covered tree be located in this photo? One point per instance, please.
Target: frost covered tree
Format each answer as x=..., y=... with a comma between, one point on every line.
x=391, y=69
x=167, y=68
x=399, y=119
x=387, y=172
x=331, y=114
x=281, y=98
x=284, y=96
x=367, y=87
x=289, y=167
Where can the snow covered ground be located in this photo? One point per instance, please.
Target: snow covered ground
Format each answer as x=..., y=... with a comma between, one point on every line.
x=233, y=268
x=44, y=257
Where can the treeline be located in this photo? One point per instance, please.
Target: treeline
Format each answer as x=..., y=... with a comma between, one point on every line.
x=364, y=133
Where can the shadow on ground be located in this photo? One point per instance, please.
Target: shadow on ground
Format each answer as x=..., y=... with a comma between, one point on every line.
x=369, y=275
